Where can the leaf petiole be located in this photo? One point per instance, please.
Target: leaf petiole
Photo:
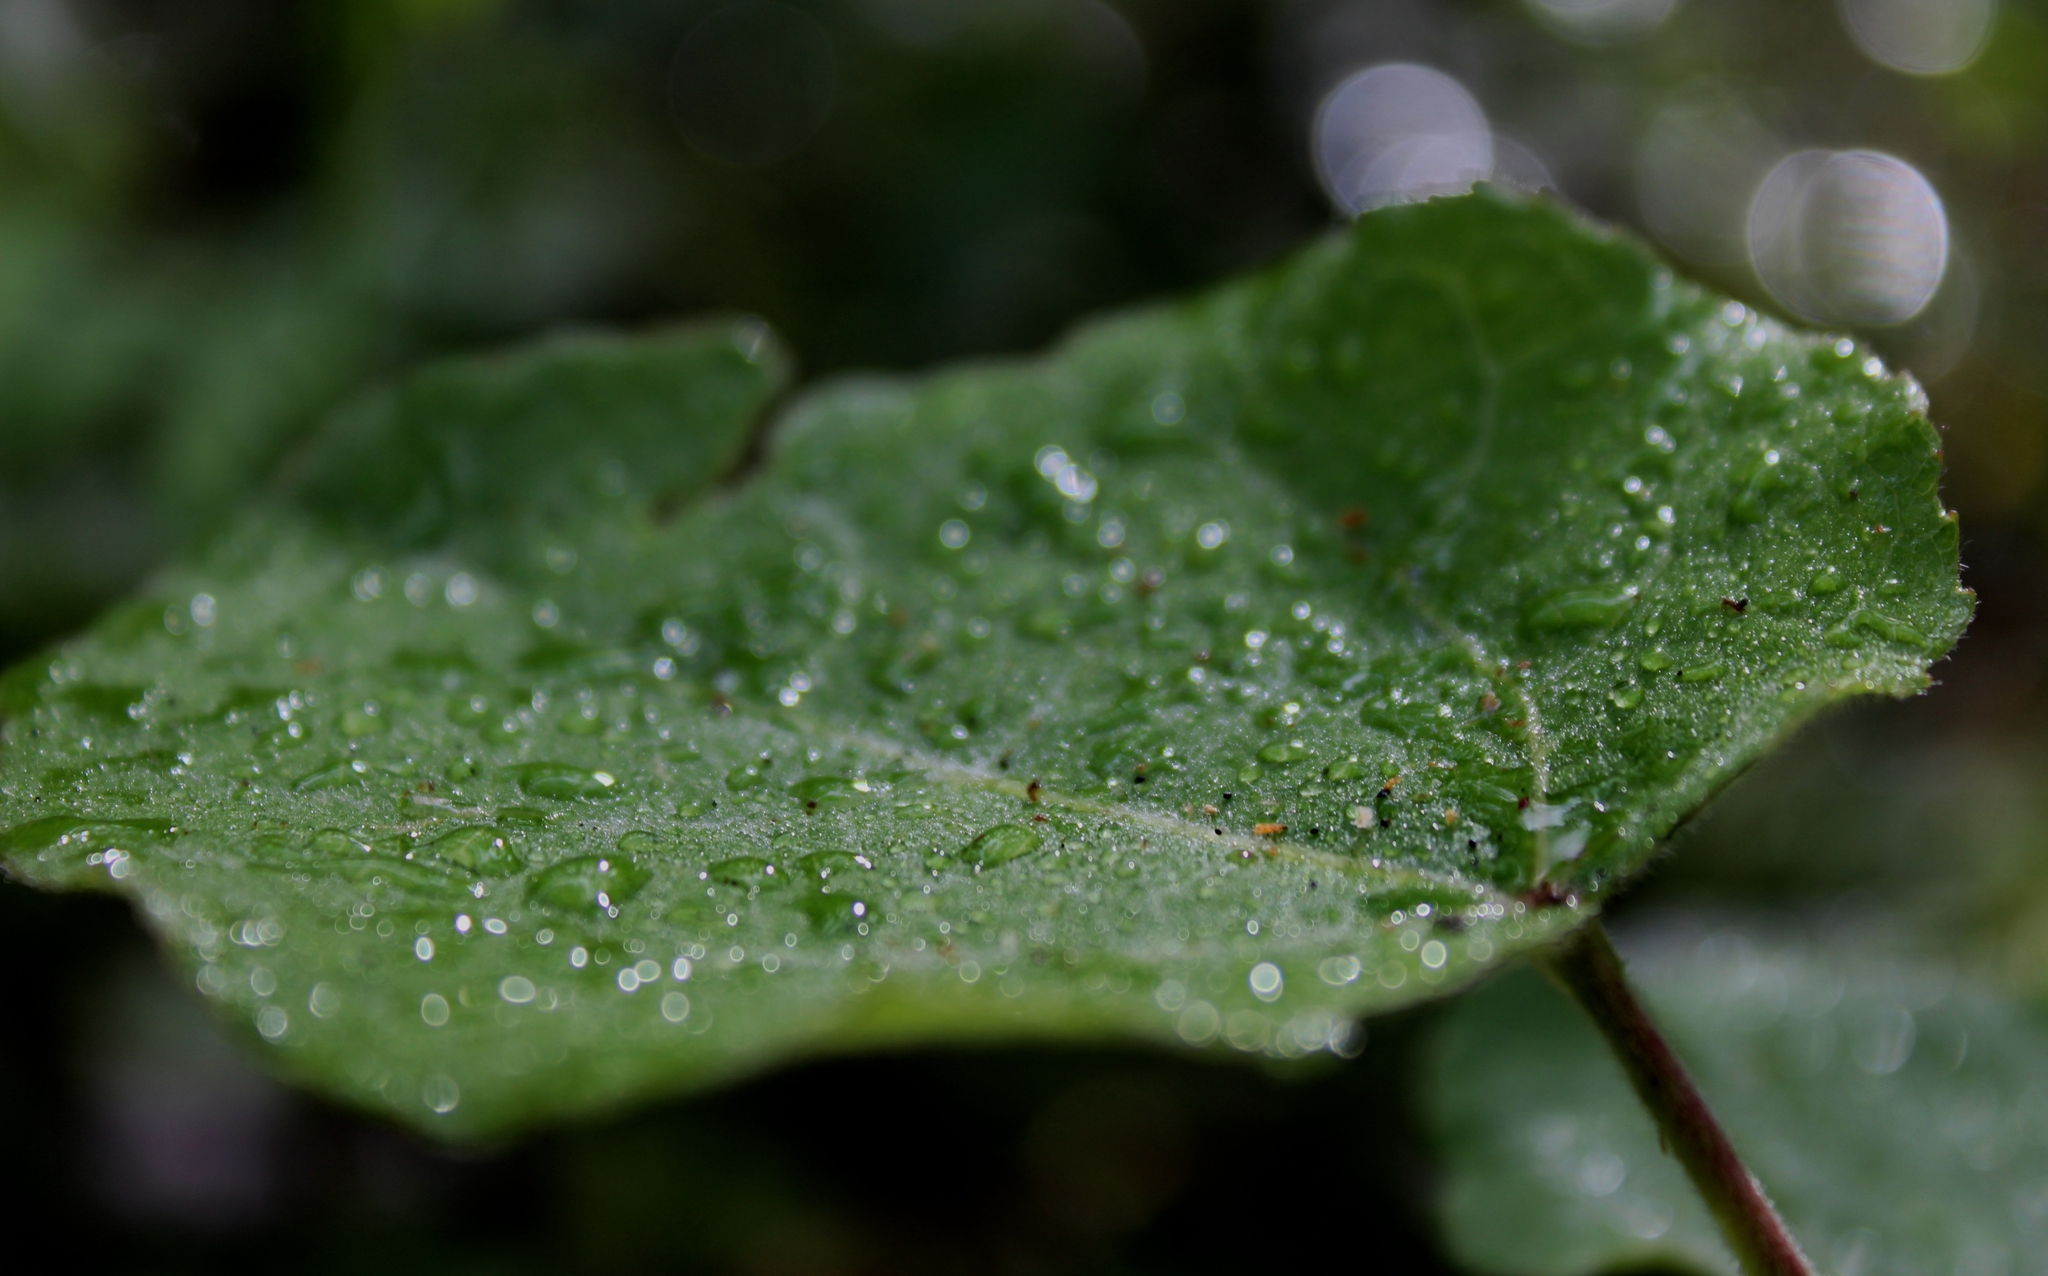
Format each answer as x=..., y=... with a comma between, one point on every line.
x=1588, y=968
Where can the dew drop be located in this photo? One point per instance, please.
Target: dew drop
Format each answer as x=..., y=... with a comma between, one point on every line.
x=479, y=848
x=1338, y=971
x=1583, y=609
x=1266, y=981
x=586, y=883
x=1001, y=844
x=561, y=782
x=440, y=1093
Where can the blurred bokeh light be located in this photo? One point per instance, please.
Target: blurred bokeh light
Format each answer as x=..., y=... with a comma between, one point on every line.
x=1848, y=237
x=1400, y=132
x=1603, y=21
x=1923, y=37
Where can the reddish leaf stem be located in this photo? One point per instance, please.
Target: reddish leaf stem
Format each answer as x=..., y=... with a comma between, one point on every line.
x=1589, y=968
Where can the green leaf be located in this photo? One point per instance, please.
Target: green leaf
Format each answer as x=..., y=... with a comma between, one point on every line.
x=1893, y=1113
x=1244, y=666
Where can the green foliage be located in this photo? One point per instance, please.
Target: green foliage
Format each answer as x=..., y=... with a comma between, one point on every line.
x=1242, y=667
x=1894, y=1114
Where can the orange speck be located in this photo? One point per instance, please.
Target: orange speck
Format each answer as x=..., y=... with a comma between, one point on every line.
x=1208, y=809
x=1269, y=830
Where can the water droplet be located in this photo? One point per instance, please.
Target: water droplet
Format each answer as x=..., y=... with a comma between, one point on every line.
x=1001, y=844
x=587, y=882
x=1280, y=754
x=516, y=989
x=1249, y=1031
x=1338, y=971
x=1076, y=484
x=1199, y=1023
x=561, y=782
x=639, y=843
x=339, y=775
x=675, y=1007
x=324, y=1001
x=440, y=1093
x=820, y=790
x=364, y=720
x=746, y=776
x=336, y=843
x=434, y=1009
x=479, y=848
x=747, y=870
x=56, y=838
x=1873, y=622
x=1583, y=608
x=1266, y=981
x=1602, y=1174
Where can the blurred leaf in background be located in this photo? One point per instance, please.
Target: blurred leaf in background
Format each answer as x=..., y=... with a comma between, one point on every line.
x=1897, y=1115
x=220, y=217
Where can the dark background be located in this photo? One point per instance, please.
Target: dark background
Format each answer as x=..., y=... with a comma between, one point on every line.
x=218, y=217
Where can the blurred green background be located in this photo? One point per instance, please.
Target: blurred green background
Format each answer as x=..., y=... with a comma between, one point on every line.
x=219, y=217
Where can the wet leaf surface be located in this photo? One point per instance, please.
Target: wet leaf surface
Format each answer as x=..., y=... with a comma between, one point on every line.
x=1242, y=667
x=1893, y=1110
